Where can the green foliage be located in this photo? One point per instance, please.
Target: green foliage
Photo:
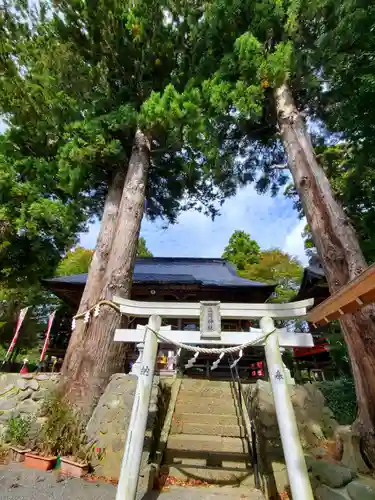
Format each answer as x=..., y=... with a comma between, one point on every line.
x=241, y=250
x=62, y=432
x=72, y=98
x=353, y=183
x=76, y=261
x=332, y=37
x=341, y=399
x=142, y=250
x=18, y=430
x=267, y=266
x=277, y=267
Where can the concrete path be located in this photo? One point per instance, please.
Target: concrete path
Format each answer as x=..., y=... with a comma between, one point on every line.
x=19, y=483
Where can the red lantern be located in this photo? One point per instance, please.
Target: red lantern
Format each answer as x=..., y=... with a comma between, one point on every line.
x=260, y=364
x=253, y=373
x=260, y=373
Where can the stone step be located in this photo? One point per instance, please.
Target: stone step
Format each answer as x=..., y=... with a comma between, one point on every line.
x=207, y=418
x=212, y=429
x=197, y=442
x=213, y=460
x=211, y=475
x=206, y=393
x=206, y=405
x=192, y=383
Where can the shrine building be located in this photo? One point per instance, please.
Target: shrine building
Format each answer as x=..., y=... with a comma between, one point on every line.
x=169, y=279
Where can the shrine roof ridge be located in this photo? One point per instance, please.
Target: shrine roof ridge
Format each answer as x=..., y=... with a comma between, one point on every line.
x=187, y=270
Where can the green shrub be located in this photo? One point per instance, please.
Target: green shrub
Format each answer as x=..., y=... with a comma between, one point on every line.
x=63, y=431
x=341, y=399
x=18, y=430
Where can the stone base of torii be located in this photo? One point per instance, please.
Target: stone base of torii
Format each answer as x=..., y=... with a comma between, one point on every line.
x=268, y=335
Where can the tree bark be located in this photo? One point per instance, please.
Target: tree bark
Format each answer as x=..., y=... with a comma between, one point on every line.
x=104, y=243
x=91, y=361
x=339, y=250
x=92, y=290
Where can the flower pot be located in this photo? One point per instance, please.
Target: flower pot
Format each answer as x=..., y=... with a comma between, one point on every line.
x=73, y=469
x=38, y=462
x=18, y=454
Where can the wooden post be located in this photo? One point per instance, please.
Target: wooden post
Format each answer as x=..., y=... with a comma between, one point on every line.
x=131, y=462
x=293, y=452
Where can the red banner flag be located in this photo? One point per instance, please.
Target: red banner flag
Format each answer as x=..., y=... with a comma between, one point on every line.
x=48, y=332
x=21, y=317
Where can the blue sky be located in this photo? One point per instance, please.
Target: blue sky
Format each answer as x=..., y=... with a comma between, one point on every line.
x=271, y=221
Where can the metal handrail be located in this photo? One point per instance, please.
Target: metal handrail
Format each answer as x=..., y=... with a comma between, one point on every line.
x=251, y=439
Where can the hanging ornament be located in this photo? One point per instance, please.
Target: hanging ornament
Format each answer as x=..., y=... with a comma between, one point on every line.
x=236, y=361
x=73, y=324
x=215, y=364
x=260, y=364
x=96, y=310
x=192, y=361
x=253, y=373
x=86, y=319
x=260, y=373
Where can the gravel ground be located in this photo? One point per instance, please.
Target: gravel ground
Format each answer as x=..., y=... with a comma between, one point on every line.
x=19, y=483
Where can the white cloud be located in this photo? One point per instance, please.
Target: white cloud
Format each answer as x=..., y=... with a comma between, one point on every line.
x=294, y=244
x=266, y=219
x=270, y=221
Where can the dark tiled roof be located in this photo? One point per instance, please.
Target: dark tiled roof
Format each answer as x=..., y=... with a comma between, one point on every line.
x=207, y=272
x=314, y=283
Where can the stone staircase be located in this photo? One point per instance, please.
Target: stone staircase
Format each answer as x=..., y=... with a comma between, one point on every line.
x=207, y=440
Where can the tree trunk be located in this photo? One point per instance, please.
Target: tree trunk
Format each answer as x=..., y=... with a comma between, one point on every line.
x=89, y=363
x=99, y=262
x=104, y=243
x=339, y=250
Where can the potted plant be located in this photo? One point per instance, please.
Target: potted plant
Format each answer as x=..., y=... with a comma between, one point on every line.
x=17, y=434
x=75, y=465
x=62, y=434
x=74, y=453
x=40, y=459
x=48, y=443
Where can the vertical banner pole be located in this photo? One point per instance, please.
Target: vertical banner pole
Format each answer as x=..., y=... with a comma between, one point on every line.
x=21, y=317
x=48, y=334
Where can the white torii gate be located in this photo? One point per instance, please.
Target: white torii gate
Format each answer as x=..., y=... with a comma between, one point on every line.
x=210, y=315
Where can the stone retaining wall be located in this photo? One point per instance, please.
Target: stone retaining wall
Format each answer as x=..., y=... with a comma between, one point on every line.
x=108, y=426
x=330, y=481
x=336, y=482
x=23, y=395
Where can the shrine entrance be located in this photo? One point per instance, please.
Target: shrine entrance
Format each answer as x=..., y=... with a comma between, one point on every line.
x=251, y=366
x=229, y=346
